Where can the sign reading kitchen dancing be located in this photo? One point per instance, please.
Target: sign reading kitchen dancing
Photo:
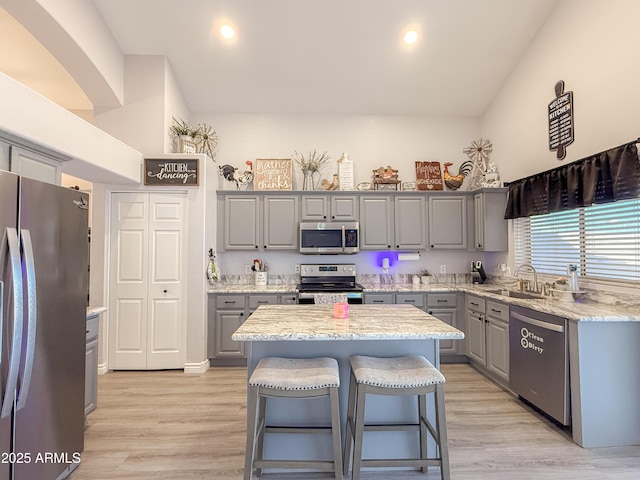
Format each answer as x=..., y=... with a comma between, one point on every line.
x=170, y=172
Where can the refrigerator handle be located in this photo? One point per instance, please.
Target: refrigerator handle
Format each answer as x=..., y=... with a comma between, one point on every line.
x=30, y=270
x=11, y=238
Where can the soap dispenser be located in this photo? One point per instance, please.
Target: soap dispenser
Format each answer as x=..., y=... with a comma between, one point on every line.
x=572, y=272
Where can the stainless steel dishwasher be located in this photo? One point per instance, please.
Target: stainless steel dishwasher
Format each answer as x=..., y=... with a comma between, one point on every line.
x=539, y=361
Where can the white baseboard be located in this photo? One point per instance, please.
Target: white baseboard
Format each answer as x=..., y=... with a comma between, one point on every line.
x=195, y=368
x=102, y=369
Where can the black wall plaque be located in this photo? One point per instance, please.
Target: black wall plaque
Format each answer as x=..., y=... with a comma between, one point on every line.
x=561, y=121
x=170, y=172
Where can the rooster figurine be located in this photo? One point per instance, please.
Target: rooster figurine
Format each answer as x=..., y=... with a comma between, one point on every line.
x=231, y=174
x=453, y=182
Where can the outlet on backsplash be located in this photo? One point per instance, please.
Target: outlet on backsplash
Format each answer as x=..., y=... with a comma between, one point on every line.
x=443, y=269
x=297, y=268
x=247, y=269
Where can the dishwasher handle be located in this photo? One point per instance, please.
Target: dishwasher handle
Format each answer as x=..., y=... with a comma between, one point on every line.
x=538, y=323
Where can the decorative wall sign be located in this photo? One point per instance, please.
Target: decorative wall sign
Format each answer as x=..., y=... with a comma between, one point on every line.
x=429, y=176
x=561, y=121
x=170, y=172
x=273, y=174
x=345, y=173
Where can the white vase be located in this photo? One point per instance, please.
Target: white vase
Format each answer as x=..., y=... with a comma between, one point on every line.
x=425, y=279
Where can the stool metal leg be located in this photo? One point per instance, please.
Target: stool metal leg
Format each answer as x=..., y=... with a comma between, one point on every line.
x=261, y=428
x=335, y=432
x=422, y=419
x=252, y=423
x=441, y=428
x=349, y=427
x=361, y=393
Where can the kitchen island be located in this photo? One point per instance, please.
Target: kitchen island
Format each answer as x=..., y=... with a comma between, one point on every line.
x=304, y=331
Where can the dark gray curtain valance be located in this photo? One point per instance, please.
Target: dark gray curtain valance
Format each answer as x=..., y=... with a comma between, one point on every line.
x=606, y=177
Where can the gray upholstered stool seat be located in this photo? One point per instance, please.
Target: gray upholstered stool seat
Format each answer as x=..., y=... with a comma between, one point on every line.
x=291, y=378
x=410, y=375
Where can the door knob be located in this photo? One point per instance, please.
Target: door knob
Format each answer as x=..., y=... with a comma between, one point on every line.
x=164, y=291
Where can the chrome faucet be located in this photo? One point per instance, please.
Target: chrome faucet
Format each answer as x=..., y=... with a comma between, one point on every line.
x=535, y=275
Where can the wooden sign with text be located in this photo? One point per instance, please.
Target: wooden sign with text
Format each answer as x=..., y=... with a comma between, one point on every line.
x=560, y=113
x=273, y=174
x=429, y=176
x=170, y=172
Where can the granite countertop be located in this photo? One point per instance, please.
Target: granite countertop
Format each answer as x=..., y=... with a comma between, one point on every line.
x=365, y=322
x=585, y=310
x=249, y=288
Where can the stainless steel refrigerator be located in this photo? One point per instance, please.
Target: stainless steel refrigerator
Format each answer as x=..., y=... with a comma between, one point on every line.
x=43, y=262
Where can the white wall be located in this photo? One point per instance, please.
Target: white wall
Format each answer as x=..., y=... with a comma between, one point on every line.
x=370, y=141
x=591, y=45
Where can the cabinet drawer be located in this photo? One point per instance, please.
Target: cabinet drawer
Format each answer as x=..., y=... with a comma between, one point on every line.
x=498, y=310
x=93, y=326
x=288, y=299
x=475, y=303
x=378, y=298
x=229, y=301
x=416, y=299
x=442, y=300
x=256, y=300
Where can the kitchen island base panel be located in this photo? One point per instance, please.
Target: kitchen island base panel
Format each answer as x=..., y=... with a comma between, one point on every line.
x=605, y=392
x=380, y=409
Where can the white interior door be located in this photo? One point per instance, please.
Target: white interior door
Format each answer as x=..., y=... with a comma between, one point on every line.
x=147, y=312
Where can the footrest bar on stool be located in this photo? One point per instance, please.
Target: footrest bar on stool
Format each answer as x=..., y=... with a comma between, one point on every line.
x=295, y=464
x=401, y=462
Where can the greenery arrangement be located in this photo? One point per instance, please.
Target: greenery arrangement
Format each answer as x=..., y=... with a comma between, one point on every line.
x=203, y=135
x=313, y=162
x=179, y=127
x=424, y=273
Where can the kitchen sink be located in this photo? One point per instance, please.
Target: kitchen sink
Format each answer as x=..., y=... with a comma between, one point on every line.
x=515, y=294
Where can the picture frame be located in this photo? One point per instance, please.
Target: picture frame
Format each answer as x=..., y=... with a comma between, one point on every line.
x=429, y=176
x=188, y=147
x=171, y=172
x=273, y=174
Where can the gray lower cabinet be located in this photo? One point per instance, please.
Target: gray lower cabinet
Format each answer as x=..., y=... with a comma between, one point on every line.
x=379, y=298
x=488, y=337
x=497, y=332
x=226, y=312
x=448, y=227
x=91, y=366
x=444, y=306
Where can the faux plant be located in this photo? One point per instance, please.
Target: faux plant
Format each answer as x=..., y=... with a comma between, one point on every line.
x=424, y=273
x=313, y=162
x=179, y=127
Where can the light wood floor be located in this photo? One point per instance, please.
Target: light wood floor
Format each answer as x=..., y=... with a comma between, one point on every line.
x=168, y=425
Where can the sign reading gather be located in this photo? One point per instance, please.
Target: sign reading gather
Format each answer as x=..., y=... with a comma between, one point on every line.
x=170, y=172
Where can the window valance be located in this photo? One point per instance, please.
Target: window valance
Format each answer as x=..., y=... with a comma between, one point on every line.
x=605, y=177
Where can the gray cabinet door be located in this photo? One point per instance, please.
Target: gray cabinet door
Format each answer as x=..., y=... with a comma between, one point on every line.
x=379, y=298
x=410, y=222
x=344, y=207
x=376, y=220
x=448, y=222
x=241, y=222
x=475, y=329
x=280, y=223
x=449, y=316
x=314, y=208
x=498, y=348
x=227, y=322
x=490, y=225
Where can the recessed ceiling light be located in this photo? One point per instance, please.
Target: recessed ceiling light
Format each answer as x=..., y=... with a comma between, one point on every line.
x=410, y=37
x=227, y=31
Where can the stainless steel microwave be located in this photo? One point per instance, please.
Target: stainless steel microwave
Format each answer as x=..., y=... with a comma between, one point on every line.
x=329, y=237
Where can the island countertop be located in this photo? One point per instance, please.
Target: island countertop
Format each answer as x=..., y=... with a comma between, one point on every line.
x=365, y=322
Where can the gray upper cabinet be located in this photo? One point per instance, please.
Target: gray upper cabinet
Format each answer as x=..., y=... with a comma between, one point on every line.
x=329, y=208
x=241, y=222
x=253, y=222
x=410, y=222
x=448, y=222
x=280, y=222
x=376, y=222
x=490, y=225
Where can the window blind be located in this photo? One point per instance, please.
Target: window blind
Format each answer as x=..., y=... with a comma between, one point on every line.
x=603, y=240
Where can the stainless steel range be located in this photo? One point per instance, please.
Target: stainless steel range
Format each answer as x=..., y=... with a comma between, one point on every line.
x=339, y=278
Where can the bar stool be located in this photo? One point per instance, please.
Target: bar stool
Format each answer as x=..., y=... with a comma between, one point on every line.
x=291, y=378
x=410, y=375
